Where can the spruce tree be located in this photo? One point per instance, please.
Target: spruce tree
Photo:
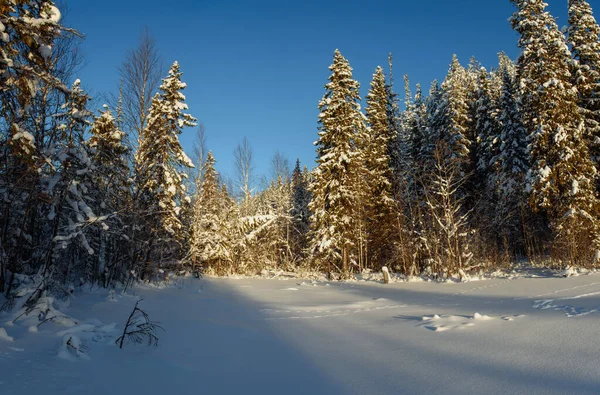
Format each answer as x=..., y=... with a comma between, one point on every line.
x=300, y=211
x=378, y=174
x=562, y=177
x=334, y=200
x=454, y=123
x=71, y=184
x=160, y=163
x=514, y=155
x=394, y=124
x=583, y=34
x=210, y=244
x=488, y=133
x=434, y=118
x=109, y=156
x=27, y=77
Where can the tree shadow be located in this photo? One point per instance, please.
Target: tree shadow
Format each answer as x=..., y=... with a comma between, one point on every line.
x=409, y=360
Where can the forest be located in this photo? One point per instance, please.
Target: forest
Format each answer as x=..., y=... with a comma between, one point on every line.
x=486, y=169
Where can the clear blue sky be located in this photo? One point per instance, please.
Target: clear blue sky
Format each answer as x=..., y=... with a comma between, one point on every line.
x=257, y=68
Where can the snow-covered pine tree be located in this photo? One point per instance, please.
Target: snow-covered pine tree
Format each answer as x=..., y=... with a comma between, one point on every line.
x=378, y=175
x=71, y=186
x=334, y=200
x=484, y=184
x=210, y=246
x=453, y=113
x=160, y=160
x=513, y=154
x=276, y=239
x=29, y=32
x=419, y=137
x=110, y=174
x=433, y=118
x=488, y=133
x=300, y=212
x=394, y=122
x=406, y=137
x=583, y=34
x=562, y=177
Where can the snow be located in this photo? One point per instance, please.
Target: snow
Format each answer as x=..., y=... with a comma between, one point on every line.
x=46, y=51
x=530, y=333
x=4, y=335
x=575, y=187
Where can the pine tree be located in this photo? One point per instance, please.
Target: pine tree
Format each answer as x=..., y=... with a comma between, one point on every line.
x=378, y=174
x=434, y=118
x=109, y=157
x=562, y=177
x=454, y=125
x=160, y=176
x=334, y=196
x=394, y=124
x=300, y=210
x=488, y=133
x=514, y=155
x=27, y=77
x=585, y=47
x=210, y=244
x=71, y=184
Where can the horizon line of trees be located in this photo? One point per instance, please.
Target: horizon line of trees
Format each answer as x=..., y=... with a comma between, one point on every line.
x=490, y=167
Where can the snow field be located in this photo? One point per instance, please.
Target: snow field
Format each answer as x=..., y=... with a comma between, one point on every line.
x=258, y=336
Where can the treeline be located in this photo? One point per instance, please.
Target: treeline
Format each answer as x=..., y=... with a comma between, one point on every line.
x=490, y=167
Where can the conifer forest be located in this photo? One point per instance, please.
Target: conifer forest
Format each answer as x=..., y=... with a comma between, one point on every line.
x=485, y=169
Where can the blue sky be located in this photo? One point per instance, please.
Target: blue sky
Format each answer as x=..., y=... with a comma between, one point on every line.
x=257, y=68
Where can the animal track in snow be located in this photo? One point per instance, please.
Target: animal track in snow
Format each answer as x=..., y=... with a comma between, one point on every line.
x=569, y=309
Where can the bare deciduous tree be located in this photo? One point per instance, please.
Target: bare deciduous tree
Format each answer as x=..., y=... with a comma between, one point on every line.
x=280, y=167
x=244, y=168
x=199, y=152
x=141, y=73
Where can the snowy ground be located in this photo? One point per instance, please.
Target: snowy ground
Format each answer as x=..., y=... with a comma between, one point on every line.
x=252, y=336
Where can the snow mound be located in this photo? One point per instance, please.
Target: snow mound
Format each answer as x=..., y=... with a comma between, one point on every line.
x=4, y=336
x=74, y=339
x=441, y=323
x=569, y=272
x=72, y=349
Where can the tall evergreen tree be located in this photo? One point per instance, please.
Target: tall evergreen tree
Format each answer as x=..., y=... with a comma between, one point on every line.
x=395, y=144
x=514, y=155
x=71, y=185
x=109, y=156
x=334, y=198
x=562, y=177
x=454, y=125
x=434, y=118
x=585, y=47
x=378, y=172
x=488, y=132
x=160, y=176
x=27, y=77
x=210, y=242
x=300, y=211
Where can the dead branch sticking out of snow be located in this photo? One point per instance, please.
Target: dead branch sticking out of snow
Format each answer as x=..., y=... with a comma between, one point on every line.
x=139, y=328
